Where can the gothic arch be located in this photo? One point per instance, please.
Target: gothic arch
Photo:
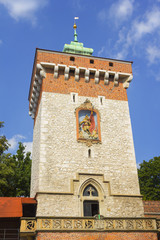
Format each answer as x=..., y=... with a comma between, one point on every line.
x=95, y=184
x=92, y=201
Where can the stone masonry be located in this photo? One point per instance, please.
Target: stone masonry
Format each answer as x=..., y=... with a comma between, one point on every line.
x=61, y=166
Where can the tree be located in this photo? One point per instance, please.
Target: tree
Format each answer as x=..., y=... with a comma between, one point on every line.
x=22, y=171
x=149, y=179
x=6, y=168
x=4, y=145
x=15, y=170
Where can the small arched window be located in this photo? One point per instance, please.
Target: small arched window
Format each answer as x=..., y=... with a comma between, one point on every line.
x=90, y=203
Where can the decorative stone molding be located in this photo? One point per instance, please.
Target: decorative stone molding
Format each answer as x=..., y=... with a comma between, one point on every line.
x=99, y=223
x=86, y=105
x=56, y=71
x=96, y=185
x=87, y=75
x=97, y=77
x=77, y=74
x=40, y=74
x=90, y=176
x=106, y=78
x=28, y=225
x=66, y=73
x=127, y=81
x=116, y=78
x=126, y=78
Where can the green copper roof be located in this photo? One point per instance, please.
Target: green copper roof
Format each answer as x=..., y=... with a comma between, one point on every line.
x=77, y=47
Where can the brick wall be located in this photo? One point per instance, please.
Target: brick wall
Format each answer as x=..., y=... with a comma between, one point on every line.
x=98, y=236
x=152, y=208
x=83, y=61
x=89, y=89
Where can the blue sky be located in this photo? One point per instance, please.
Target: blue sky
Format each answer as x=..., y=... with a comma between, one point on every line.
x=120, y=29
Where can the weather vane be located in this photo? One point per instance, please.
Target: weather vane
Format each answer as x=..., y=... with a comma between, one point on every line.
x=75, y=18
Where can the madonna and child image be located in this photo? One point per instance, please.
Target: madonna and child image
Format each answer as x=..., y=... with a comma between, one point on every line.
x=88, y=127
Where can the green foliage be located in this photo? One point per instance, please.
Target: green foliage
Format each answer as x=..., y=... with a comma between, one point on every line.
x=4, y=145
x=15, y=170
x=149, y=179
x=22, y=171
x=7, y=173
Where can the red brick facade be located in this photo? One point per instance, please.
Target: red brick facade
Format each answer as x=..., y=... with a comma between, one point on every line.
x=83, y=61
x=90, y=89
x=82, y=88
x=152, y=209
x=97, y=236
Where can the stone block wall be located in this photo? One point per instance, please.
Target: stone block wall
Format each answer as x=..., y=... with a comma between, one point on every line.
x=61, y=158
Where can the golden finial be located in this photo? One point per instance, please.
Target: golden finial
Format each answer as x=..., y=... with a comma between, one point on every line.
x=74, y=26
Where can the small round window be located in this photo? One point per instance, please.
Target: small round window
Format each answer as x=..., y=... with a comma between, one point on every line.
x=90, y=191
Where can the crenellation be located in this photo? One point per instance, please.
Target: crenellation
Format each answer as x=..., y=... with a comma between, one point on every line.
x=99, y=70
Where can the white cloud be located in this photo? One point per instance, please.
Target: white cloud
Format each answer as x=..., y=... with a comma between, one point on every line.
x=101, y=51
x=28, y=146
x=121, y=10
x=121, y=54
x=153, y=53
x=26, y=9
x=14, y=141
x=148, y=25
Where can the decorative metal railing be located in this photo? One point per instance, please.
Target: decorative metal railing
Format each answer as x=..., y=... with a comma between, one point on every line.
x=9, y=234
x=89, y=224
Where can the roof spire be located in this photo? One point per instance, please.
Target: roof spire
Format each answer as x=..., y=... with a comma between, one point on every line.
x=75, y=46
x=75, y=26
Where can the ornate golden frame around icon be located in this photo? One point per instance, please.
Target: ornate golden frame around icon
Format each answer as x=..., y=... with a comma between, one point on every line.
x=87, y=105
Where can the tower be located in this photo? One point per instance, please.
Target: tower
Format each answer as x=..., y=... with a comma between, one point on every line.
x=84, y=174
x=82, y=135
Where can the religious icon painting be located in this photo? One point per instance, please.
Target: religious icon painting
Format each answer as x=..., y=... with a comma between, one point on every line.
x=88, y=126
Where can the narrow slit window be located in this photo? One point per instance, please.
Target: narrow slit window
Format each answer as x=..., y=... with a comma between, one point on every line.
x=101, y=100
x=110, y=64
x=74, y=98
x=89, y=153
x=91, y=61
